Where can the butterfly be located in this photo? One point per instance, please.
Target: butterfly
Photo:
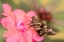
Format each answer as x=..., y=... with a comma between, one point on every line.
x=40, y=27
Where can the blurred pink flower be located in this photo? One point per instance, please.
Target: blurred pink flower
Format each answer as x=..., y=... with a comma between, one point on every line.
x=16, y=25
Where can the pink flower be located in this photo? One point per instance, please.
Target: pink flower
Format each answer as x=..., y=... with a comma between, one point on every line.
x=16, y=25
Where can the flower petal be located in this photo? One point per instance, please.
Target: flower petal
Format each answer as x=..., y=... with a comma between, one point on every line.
x=28, y=35
x=31, y=34
x=3, y=22
x=31, y=13
x=7, y=11
x=8, y=33
x=27, y=38
x=6, y=8
x=16, y=37
x=20, y=14
x=4, y=14
x=7, y=22
x=36, y=37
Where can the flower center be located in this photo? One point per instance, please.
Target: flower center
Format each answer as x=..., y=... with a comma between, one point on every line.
x=21, y=27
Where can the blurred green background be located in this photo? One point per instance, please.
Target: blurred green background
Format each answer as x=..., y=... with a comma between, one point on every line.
x=57, y=13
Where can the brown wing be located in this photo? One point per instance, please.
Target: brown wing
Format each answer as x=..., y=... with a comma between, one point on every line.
x=46, y=30
x=41, y=28
x=50, y=31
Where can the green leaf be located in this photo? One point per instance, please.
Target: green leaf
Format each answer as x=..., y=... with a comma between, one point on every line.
x=11, y=3
x=1, y=33
x=53, y=4
x=1, y=8
x=59, y=15
x=24, y=6
x=58, y=27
